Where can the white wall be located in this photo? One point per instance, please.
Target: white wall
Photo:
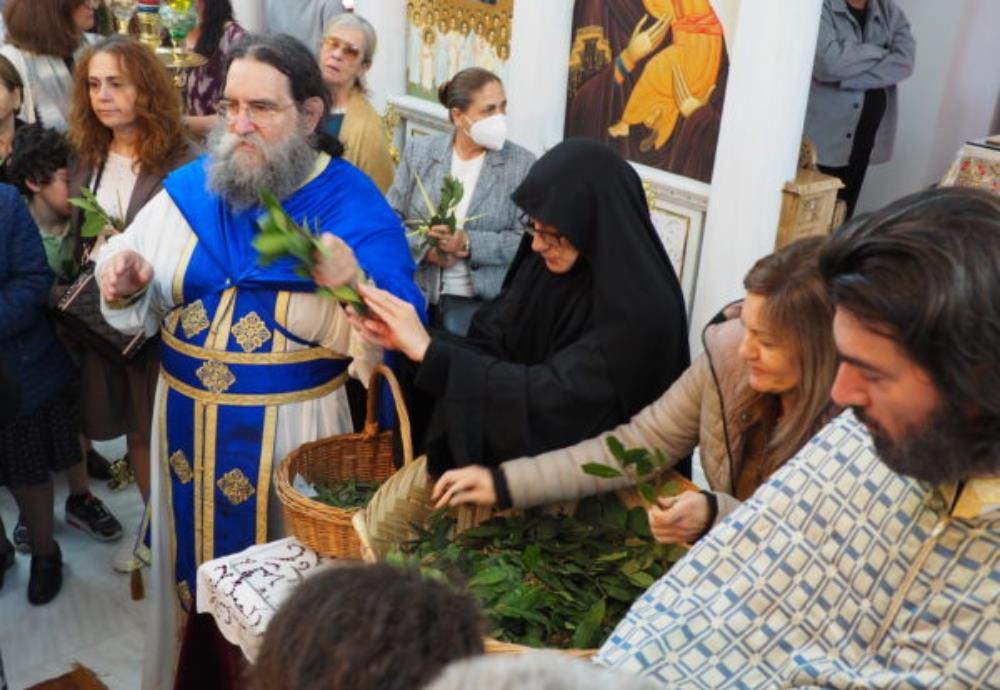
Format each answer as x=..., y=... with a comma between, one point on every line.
x=250, y=14
x=952, y=95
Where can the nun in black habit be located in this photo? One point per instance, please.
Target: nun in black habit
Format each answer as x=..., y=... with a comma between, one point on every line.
x=589, y=328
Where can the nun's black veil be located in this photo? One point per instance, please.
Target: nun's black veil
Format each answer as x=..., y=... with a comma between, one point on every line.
x=556, y=359
x=596, y=199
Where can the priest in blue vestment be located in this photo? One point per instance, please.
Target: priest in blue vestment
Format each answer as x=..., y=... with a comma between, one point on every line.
x=253, y=361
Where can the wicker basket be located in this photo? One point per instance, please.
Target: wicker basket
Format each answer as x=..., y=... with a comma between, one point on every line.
x=365, y=456
x=492, y=646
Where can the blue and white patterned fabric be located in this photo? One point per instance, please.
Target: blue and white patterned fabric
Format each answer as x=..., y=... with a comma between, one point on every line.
x=837, y=573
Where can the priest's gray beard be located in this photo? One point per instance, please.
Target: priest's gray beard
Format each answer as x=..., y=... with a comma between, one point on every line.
x=239, y=175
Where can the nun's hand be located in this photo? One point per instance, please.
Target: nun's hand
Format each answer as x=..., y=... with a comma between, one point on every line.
x=472, y=484
x=396, y=325
x=679, y=519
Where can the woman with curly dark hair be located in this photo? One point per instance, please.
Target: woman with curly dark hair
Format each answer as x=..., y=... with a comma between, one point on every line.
x=127, y=134
x=371, y=627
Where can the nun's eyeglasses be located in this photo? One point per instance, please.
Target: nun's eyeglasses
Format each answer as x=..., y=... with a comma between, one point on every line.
x=529, y=226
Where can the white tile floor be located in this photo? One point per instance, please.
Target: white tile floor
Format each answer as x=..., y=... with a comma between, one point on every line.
x=93, y=620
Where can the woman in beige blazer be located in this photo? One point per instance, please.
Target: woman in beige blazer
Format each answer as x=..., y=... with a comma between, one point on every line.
x=754, y=397
x=345, y=54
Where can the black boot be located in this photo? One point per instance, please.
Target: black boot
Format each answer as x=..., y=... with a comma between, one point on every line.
x=46, y=578
x=6, y=559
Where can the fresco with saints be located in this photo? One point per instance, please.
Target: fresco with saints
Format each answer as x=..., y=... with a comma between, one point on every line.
x=648, y=77
x=445, y=36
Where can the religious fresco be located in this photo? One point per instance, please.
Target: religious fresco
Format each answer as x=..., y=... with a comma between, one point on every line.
x=445, y=36
x=648, y=77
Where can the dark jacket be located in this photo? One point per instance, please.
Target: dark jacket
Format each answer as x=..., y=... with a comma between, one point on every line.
x=30, y=355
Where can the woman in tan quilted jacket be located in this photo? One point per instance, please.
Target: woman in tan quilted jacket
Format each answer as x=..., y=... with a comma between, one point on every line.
x=759, y=391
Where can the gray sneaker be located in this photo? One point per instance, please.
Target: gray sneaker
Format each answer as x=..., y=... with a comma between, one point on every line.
x=88, y=513
x=22, y=539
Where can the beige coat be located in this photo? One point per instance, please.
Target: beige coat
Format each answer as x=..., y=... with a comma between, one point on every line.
x=366, y=145
x=689, y=414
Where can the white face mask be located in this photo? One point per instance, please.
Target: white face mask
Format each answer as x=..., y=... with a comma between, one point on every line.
x=490, y=132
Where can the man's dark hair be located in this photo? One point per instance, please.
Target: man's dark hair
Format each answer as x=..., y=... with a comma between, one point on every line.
x=369, y=627
x=925, y=272
x=290, y=56
x=37, y=154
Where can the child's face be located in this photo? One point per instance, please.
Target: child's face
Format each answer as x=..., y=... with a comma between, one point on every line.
x=10, y=101
x=55, y=193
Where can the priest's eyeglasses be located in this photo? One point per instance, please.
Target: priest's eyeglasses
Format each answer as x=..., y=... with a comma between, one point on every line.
x=257, y=112
x=530, y=226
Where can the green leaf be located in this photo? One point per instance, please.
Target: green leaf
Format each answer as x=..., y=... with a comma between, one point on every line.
x=641, y=579
x=609, y=557
x=644, y=467
x=615, y=513
x=491, y=576
x=586, y=630
x=670, y=488
x=616, y=448
x=532, y=556
x=269, y=243
x=596, y=469
x=638, y=522
x=660, y=458
x=647, y=491
x=93, y=224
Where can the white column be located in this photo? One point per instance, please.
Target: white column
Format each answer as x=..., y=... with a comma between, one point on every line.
x=539, y=70
x=387, y=76
x=769, y=74
x=250, y=15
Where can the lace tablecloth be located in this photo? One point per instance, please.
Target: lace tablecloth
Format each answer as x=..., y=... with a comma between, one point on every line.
x=244, y=590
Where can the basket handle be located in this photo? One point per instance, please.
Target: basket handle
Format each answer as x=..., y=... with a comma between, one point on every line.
x=371, y=414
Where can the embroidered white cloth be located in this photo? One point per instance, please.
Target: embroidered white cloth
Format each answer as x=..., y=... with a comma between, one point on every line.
x=837, y=573
x=243, y=591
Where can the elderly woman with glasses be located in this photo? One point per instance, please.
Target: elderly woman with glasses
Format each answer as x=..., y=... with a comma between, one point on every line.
x=589, y=328
x=345, y=55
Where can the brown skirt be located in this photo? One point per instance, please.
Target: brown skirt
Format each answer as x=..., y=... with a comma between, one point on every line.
x=118, y=398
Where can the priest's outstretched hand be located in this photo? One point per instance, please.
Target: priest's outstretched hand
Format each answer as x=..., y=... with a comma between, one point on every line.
x=338, y=266
x=395, y=326
x=124, y=275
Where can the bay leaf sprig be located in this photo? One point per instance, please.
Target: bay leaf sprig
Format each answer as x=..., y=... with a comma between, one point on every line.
x=95, y=217
x=450, y=196
x=642, y=464
x=281, y=236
